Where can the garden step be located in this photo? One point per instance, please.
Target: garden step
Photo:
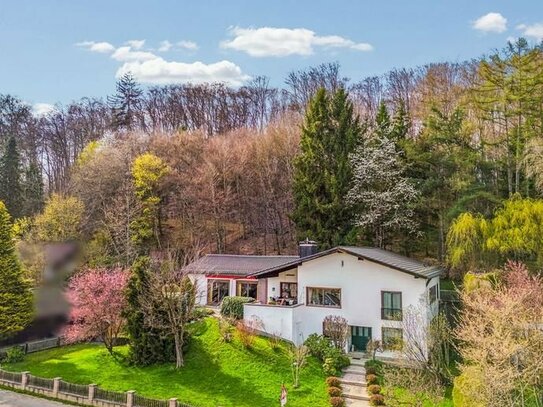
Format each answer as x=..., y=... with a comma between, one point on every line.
x=355, y=392
x=355, y=369
x=358, y=362
x=353, y=382
x=353, y=378
x=356, y=403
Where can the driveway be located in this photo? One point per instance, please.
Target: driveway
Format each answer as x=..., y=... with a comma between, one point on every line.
x=11, y=399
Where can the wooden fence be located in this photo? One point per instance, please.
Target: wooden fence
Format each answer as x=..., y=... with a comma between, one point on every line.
x=33, y=346
x=90, y=395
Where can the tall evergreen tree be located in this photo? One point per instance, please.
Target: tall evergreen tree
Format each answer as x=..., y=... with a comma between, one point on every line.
x=126, y=103
x=16, y=306
x=10, y=179
x=322, y=173
x=32, y=190
x=147, y=345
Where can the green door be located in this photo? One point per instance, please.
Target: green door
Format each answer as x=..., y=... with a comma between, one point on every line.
x=360, y=336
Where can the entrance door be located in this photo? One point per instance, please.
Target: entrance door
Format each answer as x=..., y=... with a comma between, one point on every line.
x=360, y=336
x=217, y=290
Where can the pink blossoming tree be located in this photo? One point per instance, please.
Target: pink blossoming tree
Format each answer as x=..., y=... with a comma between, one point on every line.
x=98, y=301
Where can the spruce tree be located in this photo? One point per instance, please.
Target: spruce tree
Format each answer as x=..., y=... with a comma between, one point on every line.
x=147, y=345
x=322, y=173
x=126, y=102
x=32, y=190
x=10, y=179
x=16, y=305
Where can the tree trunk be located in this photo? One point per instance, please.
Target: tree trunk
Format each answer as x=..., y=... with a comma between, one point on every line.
x=179, y=362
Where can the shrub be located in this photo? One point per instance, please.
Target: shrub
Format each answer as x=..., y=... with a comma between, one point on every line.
x=201, y=312
x=14, y=355
x=329, y=367
x=374, y=389
x=333, y=381
x=226, y=329
x=318, y=345
x=374, y=367
x=232, y=307
x=377, y=400
x=371, y=370
x=336, y=328
x=371, y=379
x=337, y=401
x=334, y=391
x=275, y=342
x=247, y=330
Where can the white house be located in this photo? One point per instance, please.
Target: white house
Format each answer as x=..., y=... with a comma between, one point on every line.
x=369, y=287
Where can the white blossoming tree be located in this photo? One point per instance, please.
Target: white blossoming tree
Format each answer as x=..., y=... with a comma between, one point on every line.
x=382, y=194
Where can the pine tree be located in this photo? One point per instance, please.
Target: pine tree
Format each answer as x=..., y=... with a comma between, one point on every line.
x=32, y=190
x=16, y=305
x=10, y=179
x=126, y=102
x=147, y=345
x=383, y=125
x=322, y=173
x=400, y=124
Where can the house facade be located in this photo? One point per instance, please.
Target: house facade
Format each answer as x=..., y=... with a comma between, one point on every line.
x=371, y=288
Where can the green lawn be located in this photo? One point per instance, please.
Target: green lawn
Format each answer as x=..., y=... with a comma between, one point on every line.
x=215, y=373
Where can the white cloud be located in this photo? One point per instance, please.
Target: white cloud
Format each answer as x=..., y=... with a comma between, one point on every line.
x=165, y=46
x=136, y=44
x=280, y=42
x=126, y=54
x=42, y=109
x=160, y=71
x=190, y=45
x=532, y=30
x=491, y=22
x=102, y=47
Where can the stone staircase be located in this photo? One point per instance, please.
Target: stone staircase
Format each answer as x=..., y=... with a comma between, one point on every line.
x=353, y=382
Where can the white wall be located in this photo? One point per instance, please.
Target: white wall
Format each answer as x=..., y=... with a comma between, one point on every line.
x=201, y=286
x=274, y=283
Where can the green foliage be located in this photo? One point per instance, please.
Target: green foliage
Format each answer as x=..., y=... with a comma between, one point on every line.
x=61, y=219
x=32, y=190
x=322, y=172
x=318, y=345
x=148, y=172
x=334, y=361
x=14, y=354
x=147, y=345
x=374, y=367
x=466, y=387
x=16, y=305
x=514, y=232
x=201, y=312
x=232, y=307
x=10, y=179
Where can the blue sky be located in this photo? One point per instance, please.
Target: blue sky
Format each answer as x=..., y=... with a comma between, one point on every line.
x=58, y=51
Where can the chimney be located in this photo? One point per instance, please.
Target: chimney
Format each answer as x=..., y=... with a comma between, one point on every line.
x=307, y=248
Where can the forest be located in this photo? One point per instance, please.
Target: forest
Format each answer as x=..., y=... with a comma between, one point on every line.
x=441, y=162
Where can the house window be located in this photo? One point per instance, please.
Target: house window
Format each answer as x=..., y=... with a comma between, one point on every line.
x=289, y=290
x=391, y=305
x=217, y=290
x=432, y=294
x=392, y=338
x=246, y=288
x=324, y=297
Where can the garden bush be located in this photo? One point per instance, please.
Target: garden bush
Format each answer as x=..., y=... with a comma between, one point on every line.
x=226, y=329
x=334, y=391
x=337, y=401
x=374, y=367
x=377, y=400
x=318, y=345
x=371, y=379
x=14, y=355
x=232, y=307
x=333, y=381
x=201, y=312
x=374, y=389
